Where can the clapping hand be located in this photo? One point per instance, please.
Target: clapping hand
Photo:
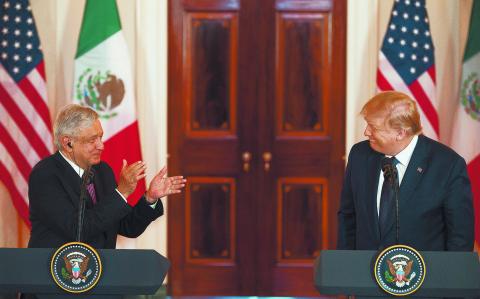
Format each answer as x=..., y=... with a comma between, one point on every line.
x=161, y=185
x=129, y=177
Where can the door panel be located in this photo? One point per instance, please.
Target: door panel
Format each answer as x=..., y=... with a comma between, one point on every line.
x=301, y=215
x=303, y=132
x=210, y=221
x=209, y=227
x=256, y=123
x=210, y=73
x=302, y=74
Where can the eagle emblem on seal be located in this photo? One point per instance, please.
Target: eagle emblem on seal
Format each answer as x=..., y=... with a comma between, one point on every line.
x=400, y=271
x=76, y=267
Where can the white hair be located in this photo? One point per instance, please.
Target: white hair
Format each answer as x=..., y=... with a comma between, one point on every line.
x=70, y=120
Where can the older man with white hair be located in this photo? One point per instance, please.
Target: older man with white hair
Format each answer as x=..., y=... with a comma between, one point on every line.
x=55, y=188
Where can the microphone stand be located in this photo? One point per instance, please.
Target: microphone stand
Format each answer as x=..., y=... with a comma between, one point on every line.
x=396, y=190
x=390, y=174
x=81, y=207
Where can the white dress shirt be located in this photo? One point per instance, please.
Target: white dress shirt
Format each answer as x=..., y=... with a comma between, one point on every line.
x=403, y=158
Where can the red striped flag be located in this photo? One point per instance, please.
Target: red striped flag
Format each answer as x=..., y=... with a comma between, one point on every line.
x=25, y=126
x=406, y=60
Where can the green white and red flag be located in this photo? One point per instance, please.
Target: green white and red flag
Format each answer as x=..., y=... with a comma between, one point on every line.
x=103, y=81
x=466, y=131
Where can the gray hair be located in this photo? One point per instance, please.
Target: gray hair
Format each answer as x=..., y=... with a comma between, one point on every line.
x=71, y=119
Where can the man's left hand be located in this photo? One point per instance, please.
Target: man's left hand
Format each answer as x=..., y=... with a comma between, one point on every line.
x=161, y=185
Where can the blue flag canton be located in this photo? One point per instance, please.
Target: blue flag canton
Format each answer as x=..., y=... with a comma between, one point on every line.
x=408, y=42
x=19, y=44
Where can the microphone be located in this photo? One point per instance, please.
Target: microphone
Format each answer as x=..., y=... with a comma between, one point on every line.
x=389, y=170
x=86, y=179
x=390, y=174
x=88, y=176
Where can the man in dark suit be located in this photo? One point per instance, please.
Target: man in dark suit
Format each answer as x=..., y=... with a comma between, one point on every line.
x=54, y=188
x=435, y=199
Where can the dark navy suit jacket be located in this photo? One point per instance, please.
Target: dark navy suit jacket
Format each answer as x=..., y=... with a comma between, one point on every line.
x=54, y=191
x=435, y=201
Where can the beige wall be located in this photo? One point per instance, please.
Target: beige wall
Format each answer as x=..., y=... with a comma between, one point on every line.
x=145, y=26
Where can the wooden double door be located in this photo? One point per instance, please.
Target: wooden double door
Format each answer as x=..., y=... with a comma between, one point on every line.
x=257, y=124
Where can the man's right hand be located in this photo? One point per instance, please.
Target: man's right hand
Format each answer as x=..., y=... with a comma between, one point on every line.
x=129, y=176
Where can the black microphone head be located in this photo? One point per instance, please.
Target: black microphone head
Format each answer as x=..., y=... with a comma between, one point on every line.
x=88, y=176
x=388, y=168
x=386, y=164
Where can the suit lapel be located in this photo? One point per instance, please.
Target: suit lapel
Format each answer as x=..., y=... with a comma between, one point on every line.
x=69, y=178
x=416, y=168
x=372, y=172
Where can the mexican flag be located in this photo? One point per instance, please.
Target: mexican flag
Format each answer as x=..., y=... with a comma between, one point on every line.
x=466, y=131
x=103, y=81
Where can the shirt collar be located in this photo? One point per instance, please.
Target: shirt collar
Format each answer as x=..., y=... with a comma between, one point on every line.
x=406, y=154
x=78, y=169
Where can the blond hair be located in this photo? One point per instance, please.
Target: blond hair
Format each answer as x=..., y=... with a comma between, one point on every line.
x=70, y=120
x=399, y=110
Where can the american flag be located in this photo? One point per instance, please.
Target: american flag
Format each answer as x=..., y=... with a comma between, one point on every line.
x=25, y=126
x=406, y=61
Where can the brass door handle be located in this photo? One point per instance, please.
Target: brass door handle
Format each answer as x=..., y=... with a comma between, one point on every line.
x=246, y=158
x=267, y=158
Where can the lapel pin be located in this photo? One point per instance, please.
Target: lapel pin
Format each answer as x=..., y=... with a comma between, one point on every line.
x=420, y=169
